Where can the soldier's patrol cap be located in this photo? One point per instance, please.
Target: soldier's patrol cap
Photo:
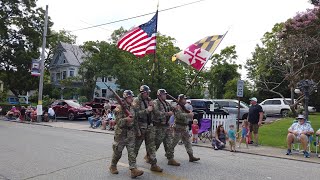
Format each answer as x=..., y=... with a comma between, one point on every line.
x=127, y=93
x=144, y=88
x=161, y=91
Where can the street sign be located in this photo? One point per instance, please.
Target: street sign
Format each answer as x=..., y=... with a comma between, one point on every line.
x=240, y=85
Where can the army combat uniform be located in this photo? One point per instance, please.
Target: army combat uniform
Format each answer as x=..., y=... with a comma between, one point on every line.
x=181, y=131
x=162, y=129
x=147, y=131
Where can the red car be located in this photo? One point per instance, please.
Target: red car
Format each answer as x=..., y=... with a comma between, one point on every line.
x=71, y=109
x=98, y=103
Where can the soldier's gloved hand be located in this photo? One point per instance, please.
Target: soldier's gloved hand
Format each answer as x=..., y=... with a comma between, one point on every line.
x=170, y=113
x=191, y=114
x=129, y=119
x=150, y=108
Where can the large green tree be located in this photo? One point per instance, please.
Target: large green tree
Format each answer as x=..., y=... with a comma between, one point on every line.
x=223, y=70
x=21, y=26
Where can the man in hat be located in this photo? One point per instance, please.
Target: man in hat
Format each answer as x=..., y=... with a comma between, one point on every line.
x=181, y=127
x=255, y=117
x=299, y=132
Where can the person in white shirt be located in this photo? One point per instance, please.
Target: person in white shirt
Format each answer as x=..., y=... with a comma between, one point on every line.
x=299, y=132
x=51, y=113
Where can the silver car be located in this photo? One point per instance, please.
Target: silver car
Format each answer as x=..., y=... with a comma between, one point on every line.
x=232, y=106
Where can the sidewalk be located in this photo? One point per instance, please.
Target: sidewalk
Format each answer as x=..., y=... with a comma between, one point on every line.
x=260, y=150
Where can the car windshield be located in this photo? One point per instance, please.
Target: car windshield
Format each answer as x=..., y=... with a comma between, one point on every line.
x=245, y=104
x=73, y=104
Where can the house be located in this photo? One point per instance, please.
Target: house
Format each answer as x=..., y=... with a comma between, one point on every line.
x=66, y=62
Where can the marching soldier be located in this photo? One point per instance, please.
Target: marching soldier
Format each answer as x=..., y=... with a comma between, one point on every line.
x=181, y=127
x=144, y=106
x=162, y=113
x=124, y=136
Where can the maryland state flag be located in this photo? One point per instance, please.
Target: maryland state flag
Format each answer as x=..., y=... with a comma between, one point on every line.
x=197, y=54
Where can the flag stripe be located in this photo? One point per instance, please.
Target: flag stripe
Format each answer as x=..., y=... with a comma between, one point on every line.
x=140, y=40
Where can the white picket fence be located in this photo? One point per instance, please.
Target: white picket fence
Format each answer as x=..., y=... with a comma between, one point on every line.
x=225, y=120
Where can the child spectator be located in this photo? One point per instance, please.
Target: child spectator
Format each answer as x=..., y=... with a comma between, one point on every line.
x=22, y=113
x=245, y=132
x=232, y=138
x=111, y=119
x=219, y=140
x=195, y=130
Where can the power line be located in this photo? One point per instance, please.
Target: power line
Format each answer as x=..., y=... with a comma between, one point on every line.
x=136, y=16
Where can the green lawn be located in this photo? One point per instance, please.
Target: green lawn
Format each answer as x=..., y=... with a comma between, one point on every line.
x=275, y=134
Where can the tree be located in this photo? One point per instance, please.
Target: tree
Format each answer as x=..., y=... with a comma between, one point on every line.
x=21, y=26
x=289, y=54
x=222, y=71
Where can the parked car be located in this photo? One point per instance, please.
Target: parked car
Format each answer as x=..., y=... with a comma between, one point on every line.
x=71, y=110
x=280, y=106
x=205, y=104
x=98, y=103
x=232, y=106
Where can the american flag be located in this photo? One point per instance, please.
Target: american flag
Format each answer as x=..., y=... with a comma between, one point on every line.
x=140, y=40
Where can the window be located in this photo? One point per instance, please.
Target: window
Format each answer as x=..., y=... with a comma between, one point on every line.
x=64, y=74
x=287, y=102
x=223, y=103
x=58, y=76
x=233, y=104
x=104, y=92
x=267, y=102
x=71, y=73
x=276, y=102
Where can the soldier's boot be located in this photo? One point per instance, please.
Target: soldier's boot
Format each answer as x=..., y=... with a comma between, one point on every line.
x=136, y=172
x=192, y=158
x=113, y=170
x=155, y=168
x=147, y=158
x=173, y=162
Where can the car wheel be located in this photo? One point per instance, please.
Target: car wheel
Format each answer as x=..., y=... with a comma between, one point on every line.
x=284, y=112
x=71, y=116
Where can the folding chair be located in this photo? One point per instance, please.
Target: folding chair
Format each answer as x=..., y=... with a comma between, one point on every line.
x=296, y=146
x=205, y=130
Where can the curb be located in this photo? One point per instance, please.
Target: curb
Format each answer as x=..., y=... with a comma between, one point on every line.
x=198, y=145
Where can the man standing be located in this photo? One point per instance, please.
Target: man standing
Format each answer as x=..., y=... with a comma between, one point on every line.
x=124, y=136
x=255, y=117
x=181, y=128
x=143, y=106
x=162, y=114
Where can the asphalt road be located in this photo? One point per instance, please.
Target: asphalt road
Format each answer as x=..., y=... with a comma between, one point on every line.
x=39, y=152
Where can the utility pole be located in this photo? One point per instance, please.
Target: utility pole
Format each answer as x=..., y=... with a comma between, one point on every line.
x=39, y=106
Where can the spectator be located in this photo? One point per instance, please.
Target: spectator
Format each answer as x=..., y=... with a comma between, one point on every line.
x=28, y=113
x=299, y=132
x=107, y=105
x=22, y=113
x=111, y=120
x=245, y=131
x=232, y=138
x=51, y=113
x=318, y=134
x=33, y=115
x=255, y=117
x=219, y=140
x=195, y=130
x=93, y=119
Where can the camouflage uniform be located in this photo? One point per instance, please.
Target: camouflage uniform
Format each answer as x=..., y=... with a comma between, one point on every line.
x=162, y=129
x=124, y=136
x=146, y=128
x=181, y=129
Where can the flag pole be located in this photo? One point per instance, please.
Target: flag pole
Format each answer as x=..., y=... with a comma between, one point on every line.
x=194, y=79
x=155, y=51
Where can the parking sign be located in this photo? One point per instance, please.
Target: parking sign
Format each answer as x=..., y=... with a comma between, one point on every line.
x=240, y=88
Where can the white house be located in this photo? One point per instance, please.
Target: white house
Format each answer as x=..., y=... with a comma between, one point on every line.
x=66, y=63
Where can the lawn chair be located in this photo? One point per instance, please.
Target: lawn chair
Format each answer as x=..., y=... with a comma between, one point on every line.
x=296, y=146
x=205, y=130
x=317, y=144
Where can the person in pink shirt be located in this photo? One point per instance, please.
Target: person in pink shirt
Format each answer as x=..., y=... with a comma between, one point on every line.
x=195, y=130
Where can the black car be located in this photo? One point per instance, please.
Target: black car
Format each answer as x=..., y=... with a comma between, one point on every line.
x=201, y=106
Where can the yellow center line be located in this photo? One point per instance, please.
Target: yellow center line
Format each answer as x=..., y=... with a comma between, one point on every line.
x=165, y=175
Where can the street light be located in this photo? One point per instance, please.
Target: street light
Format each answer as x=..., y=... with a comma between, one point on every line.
x=306, y=87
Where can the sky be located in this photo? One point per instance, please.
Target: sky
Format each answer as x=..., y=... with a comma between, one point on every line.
x=246, y=21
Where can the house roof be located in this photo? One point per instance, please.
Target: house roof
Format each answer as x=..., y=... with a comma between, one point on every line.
x=73, y=53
